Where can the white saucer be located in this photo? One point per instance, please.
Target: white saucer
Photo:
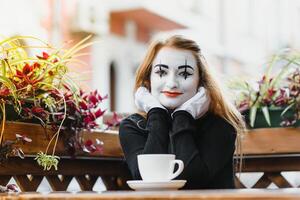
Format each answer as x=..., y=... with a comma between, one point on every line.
x=155, y=185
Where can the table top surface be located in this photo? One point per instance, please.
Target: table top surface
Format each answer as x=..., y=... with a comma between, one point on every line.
x=291, y=193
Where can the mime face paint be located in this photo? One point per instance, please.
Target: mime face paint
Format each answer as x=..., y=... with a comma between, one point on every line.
x=174, y=77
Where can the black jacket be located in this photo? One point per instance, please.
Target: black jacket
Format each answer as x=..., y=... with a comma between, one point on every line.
x=205, y=145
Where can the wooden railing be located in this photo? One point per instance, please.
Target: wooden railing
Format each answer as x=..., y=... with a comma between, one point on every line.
x=270, y=151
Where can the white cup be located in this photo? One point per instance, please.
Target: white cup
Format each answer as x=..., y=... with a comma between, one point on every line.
x=158, y=167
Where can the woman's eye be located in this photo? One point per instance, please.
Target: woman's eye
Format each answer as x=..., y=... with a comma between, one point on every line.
x=185, y=74
x=161, y=73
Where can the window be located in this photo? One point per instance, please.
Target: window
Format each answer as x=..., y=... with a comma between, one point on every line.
x=112, y=85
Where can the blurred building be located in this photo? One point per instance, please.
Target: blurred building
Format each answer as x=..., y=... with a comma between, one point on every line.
x=236, y=37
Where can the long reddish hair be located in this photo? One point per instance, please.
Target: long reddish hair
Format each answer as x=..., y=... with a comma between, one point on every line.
x=219, y=104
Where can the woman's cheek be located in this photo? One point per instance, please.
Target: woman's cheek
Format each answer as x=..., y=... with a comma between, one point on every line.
x=155, y=88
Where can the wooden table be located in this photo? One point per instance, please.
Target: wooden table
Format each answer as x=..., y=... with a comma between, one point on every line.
x=237, y=194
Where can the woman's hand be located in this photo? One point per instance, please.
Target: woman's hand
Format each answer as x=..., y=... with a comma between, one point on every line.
x=198, y=105
x=145, y=101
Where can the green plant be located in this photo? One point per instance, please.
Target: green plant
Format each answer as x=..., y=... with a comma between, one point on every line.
x=38, y=87
x=47, y=161
x=279, y=90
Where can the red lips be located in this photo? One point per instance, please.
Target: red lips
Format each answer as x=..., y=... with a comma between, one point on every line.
x=171, y=94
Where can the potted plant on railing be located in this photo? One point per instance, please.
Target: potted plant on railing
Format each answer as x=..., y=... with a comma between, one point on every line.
x=37, y=89
x=274, y=101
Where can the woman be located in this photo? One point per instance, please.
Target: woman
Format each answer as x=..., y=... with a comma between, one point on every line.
x=182, y=112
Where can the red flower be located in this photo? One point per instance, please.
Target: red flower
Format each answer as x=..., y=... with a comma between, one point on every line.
x=27, y=69
x=99, y=113
x=282, y=99
x=93, y=99
x=37, y=110
x=88, y=142
x=36, y=65
x=4, y=92
x=19, y=74
x=26, y=75
x=44, y=57
x=102, y=98
x=87, y=120
x=83, y=105
x=90, y=147
x=271, y=92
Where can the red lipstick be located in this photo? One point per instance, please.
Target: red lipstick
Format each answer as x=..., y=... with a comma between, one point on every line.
x=171, y=94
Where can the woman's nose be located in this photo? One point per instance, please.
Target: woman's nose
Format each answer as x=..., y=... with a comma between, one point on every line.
x=171, y=81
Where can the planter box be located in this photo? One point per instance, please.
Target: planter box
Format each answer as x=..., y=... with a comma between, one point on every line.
x=260, y=141
x=264, y=141
x=275, y=118
x=40, y=140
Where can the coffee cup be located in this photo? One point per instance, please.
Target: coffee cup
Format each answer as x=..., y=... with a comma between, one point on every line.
x=158, y=167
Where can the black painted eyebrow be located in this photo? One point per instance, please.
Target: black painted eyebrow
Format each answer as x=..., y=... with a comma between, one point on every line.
x=162, y=65
x=185, y=66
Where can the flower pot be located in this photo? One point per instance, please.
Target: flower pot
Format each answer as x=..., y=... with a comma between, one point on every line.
x=275, y=118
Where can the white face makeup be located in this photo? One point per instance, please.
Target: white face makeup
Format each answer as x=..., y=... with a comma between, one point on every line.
x=174, y=77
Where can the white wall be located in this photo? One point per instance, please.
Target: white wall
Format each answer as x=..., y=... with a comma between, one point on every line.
x=21, y=18
x=126, y=54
